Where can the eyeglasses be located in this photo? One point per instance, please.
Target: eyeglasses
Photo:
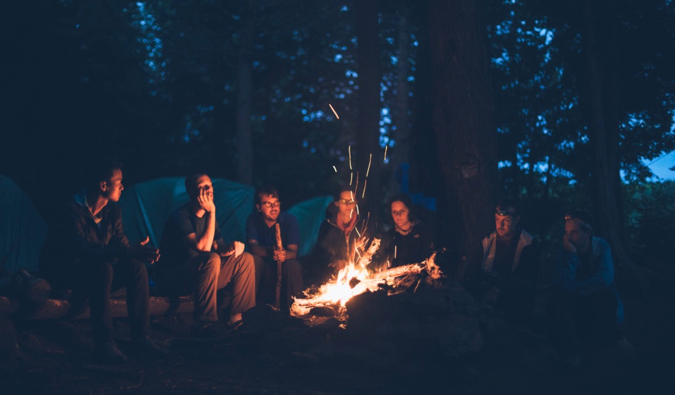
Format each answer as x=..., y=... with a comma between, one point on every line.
x=579, y=221
x=271, y=205
x=346, y=202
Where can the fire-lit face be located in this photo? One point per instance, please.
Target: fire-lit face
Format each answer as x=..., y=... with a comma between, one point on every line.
x=346, y=204
x=506, y=225
x=112, y=189
x=204, y=184
x=269, y=207
x=400, y=214
x=577, y=235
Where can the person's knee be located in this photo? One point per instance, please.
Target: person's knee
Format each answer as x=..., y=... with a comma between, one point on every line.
x=139, y=270
x=247, y=262
x=291, y=266
x=210, y=261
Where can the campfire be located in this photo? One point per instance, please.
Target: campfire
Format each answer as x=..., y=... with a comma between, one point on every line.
x=355, y=279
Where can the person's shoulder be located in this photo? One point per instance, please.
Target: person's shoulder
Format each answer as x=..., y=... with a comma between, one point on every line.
x=599, y=244
x=182, y=212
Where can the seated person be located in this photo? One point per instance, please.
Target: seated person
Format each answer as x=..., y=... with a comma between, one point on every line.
x=505, y=266
x=584, y=295
x=409, y=241
x=87, y=251
x=262, y=242
x=196, y=259
x=339, y=236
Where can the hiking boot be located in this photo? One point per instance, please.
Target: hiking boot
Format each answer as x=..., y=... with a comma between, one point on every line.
x=109, y=353
x=148, y=346
x=204, y=330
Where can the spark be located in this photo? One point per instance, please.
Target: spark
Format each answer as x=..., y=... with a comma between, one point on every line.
x=365, y=184
x=351, y=178
x=385, y=152
x=350, y=157
x=331, y=107
x=351, y=194
x=358, y=233
x=351, y=212
x=394, y=252
x=369, y=160
x=335, y=168
x=357, y=210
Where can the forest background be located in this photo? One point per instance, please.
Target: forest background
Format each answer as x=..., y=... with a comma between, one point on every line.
x=556, y=104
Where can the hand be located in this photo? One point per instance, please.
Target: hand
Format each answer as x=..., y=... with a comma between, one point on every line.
x=280, y=255
x=143, y=252
x=569, y=247
x=205, y=200
x=238, y=248
x=492, y=295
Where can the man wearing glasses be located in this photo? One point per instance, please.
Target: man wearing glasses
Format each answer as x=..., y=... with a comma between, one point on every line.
x=196, y=259
x=509, y=263
x=262, y=242
x=585, y=296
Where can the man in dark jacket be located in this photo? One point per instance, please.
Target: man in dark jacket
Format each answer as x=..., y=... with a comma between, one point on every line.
x=87, y=251
x=506, y=265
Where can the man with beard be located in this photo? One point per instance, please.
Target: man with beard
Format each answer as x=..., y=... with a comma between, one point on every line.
x=262, y=242
x=196, y=259
x=506, y=265
x=88, y=252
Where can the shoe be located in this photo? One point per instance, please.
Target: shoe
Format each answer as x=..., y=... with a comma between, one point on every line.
x=148, y=346
x=234, y=326
x=204, y=330
x=109, y=353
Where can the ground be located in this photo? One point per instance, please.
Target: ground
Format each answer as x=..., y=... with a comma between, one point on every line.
x=278, y=354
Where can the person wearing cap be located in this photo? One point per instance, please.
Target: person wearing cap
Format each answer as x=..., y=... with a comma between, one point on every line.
x=584, y=295
x=506, y=265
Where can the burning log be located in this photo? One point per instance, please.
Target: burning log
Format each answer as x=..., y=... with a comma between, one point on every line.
x=354, y=280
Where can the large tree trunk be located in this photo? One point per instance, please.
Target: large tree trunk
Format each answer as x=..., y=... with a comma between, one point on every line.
x=463, y=119
x=244, y=94
x=368, y=129
x=604, y=136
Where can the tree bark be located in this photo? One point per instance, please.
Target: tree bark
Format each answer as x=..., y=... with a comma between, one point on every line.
x=244, y=94
x=463, y=119
x=368, y=129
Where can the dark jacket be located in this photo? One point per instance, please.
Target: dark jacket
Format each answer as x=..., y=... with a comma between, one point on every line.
x=74, y=238
x=397, y=249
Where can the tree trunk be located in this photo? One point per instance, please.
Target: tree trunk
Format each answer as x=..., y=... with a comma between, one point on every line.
x=368, y=129
x=604, y=137
x=402, y=119
x=463, y=119
x=244, y=94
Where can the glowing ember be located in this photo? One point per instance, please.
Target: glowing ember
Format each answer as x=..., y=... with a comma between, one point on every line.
x=331, y=107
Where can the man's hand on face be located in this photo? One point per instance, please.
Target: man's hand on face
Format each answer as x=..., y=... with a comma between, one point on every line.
x=567, y=244
x=143, y=252
x=205, y=200
x=280, y=255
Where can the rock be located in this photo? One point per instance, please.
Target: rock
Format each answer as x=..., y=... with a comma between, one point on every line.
x=367, y=311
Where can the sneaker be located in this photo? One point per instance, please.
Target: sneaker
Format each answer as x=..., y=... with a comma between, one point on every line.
x=108, y=352
x=204, y=330
x=148, y=346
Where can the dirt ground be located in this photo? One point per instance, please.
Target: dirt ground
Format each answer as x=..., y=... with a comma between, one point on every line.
x=275, y=354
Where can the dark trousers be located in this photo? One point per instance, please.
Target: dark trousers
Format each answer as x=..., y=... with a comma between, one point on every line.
x=580, y=319
x=516, y=300
x=205, y=274
x=96, y=280
x=266, y=279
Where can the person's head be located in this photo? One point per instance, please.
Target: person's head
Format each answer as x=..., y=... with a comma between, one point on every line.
x=196, y=183
x=578, y=228
x=267, y=202
x=105, y=177
x=402, y=210
x=506, y=219
x=345, y=200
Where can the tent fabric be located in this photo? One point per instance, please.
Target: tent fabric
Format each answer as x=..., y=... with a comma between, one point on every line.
x=310, y=215
x=22, y=230
x=147, y=205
